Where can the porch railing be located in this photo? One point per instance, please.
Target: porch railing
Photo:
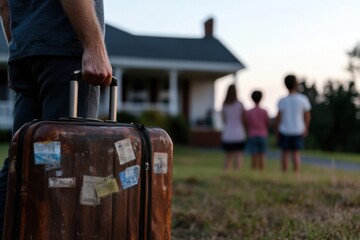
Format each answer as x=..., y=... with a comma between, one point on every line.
x=136, y=108
x=140, y=107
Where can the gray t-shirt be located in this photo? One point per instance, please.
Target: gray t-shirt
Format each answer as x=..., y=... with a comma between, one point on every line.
x=40, y=27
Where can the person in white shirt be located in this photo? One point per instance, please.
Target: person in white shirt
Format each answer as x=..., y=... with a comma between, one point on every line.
x=233, y=135
x=292, y=124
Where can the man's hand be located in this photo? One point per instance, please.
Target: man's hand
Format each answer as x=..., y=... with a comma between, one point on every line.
x=96, y=68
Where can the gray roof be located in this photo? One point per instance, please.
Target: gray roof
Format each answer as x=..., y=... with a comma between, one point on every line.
x=207, y=49
x=123, y=44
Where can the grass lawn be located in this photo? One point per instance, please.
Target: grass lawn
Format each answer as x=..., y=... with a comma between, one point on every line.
x=3, y=152
x=211, y=204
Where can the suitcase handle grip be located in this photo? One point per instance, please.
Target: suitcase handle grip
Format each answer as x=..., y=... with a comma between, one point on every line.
x=74, y=83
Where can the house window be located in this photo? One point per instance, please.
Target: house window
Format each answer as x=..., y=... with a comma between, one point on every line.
x=148, y=87
x=138, y=91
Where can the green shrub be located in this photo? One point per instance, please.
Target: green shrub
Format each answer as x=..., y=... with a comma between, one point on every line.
x=178, y=129
x=176, y=126
x=126, y=117
x=5, y=135
x=153, y=118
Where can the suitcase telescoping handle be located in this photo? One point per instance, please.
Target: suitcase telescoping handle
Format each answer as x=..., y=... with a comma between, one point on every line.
x=74, y=89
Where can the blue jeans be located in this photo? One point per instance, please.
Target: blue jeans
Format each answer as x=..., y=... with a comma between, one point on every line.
x=41, y=84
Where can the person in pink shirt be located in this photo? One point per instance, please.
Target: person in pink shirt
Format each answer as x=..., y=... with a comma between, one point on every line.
x=257, y=123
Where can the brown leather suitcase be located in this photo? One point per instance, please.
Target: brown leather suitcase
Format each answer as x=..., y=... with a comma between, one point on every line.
x=89, y=179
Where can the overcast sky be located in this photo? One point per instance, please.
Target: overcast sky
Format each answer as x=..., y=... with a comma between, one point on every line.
x=272, y=38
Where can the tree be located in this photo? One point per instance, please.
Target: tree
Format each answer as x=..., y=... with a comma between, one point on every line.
x=341, y=100
x=320, y=119
x=311, y=92
x=335, y=124
x=354, y=62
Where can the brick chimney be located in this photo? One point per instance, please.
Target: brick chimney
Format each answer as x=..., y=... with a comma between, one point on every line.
x=209, y=27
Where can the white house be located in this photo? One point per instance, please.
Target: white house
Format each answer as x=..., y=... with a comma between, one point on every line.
x=6, y=96
x=172, y=75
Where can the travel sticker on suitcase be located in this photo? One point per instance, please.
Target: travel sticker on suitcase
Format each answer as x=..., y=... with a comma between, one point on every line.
x=125, y=151
x=106, y=186
x=130, y=176
x=94, y=188
x=47, y=152
x=62, y=182
x=160, y=162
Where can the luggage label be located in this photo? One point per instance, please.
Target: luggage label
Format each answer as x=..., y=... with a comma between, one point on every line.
x=47, y=152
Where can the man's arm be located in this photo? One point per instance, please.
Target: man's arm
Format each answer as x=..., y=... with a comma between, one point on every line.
x=5, y=18
x=96, y=68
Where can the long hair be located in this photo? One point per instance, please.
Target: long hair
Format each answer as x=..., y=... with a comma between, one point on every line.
x=231, y=95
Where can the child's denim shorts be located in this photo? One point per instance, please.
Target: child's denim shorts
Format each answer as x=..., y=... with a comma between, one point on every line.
x=292, y=143
x=256, y=145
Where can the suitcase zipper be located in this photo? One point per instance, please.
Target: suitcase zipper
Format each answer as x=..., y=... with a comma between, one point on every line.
x=146, y=188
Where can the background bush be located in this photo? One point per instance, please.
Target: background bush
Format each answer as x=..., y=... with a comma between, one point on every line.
x=126, y=117
x=178, y=129
x=176, y=126
x=5, y=135
x=153, y=118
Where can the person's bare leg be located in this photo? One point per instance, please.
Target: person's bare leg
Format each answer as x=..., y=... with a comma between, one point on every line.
x=297, y=160
x=261, y=159
x=284, y=160
x=238, y=159
x=228, y=159
x=254, y=161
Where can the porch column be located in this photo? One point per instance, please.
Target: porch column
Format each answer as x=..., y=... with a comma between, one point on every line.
x=118, y=73
x=173, y=93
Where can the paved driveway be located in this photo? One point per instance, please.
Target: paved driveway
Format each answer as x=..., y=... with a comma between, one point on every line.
x=321, y=161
